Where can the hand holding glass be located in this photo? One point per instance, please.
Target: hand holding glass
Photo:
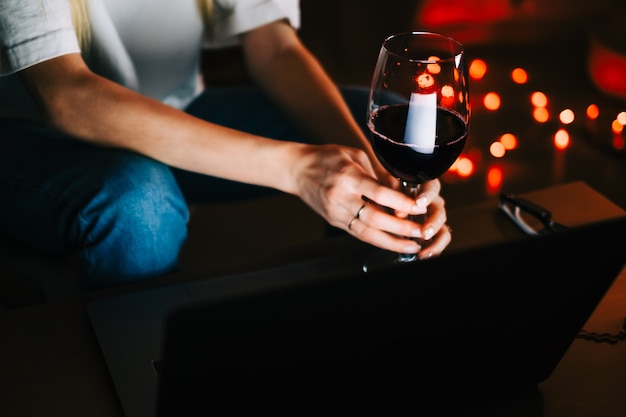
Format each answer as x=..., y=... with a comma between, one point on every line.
x=419, y=109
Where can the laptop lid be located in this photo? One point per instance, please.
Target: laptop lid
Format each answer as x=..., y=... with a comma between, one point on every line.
x=322, y=337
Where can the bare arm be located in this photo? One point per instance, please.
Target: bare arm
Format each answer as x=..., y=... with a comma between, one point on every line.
x=286, y=69
x=331, y=178
x=79, y=102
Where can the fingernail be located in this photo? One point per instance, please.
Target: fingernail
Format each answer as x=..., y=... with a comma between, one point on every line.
x=421, y=202
x=428, y=233
x=416, y=232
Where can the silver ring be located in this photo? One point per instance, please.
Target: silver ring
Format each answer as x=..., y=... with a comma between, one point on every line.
x=358, y=213
x=358, y=216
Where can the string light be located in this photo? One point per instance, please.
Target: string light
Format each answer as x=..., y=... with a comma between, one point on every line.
x=519, y=76
x=492, y=101
x=477, y=69
x=567, y=116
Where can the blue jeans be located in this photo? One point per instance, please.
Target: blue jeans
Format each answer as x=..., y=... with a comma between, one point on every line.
x=123, y=215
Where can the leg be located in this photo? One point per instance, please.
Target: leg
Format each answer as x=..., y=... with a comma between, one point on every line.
x=122, y=214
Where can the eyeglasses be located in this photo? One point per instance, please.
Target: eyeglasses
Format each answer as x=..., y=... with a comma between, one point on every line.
x=528, y=216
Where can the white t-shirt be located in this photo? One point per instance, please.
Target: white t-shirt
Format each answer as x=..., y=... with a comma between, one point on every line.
x=151, y=46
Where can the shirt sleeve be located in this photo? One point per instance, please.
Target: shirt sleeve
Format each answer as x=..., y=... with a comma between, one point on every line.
x=235, y=17
x=33, y=31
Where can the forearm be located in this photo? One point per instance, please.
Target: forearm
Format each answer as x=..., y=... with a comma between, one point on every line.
x=299, y=84
x=106, y=114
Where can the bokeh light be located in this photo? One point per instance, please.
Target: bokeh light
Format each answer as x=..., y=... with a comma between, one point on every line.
x=495, y=178
x=497, y=150
x=519, y=76
x=477, y=69
x=539, y=99
x=464, y=166
x=561, y=139
x=509, y=141
x=491, y=101
x=541, y=114
x=567, y=116
x=469, y=164
x=592, y=111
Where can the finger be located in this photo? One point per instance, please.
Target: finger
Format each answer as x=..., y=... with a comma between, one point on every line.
x=357, y=216
x=382, y=239
x=391, y=198
x=377, y=217
x=437, y=245
x=435, y=219
x=431, y=189
x=429, y=192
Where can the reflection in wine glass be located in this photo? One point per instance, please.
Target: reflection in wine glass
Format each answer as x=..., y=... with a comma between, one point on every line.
x=419, y=110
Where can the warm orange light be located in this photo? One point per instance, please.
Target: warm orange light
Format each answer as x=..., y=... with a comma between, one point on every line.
x=561, y=139
x=539, y=99
x=425, y=81
x=494, y=178
x=477, y=69
x=447, y=91
x=464, y=166
x=491, y=101
x=541, y=114
x=567, y=116
x=621, y=118
x=616, y=126
x=509, y=141
x=434, y=68
x=593, y=111
x=497, y=150
x=519, y=76
x=447, y=96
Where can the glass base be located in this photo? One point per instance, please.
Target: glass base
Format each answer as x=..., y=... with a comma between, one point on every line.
x=379, y=259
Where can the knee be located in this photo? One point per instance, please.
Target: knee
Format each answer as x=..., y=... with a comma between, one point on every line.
x=135, y=226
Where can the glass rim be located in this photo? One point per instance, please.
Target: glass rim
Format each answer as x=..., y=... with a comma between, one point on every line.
x=457, y=49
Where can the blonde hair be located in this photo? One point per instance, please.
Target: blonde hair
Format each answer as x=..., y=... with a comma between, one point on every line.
x=80, y=19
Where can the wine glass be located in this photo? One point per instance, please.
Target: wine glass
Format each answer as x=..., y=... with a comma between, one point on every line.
x=419, y=110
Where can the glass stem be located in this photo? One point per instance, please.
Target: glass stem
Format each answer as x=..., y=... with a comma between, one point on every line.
x=412, y=190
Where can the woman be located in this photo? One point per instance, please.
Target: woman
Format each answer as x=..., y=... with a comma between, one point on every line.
x=108, y=133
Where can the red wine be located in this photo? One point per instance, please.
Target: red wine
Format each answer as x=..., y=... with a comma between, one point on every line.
x=402, y=160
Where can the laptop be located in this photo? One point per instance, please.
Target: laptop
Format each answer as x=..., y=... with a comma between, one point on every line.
x=322, y=337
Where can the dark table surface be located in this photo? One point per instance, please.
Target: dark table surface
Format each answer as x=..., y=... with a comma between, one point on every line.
x=51, y=363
